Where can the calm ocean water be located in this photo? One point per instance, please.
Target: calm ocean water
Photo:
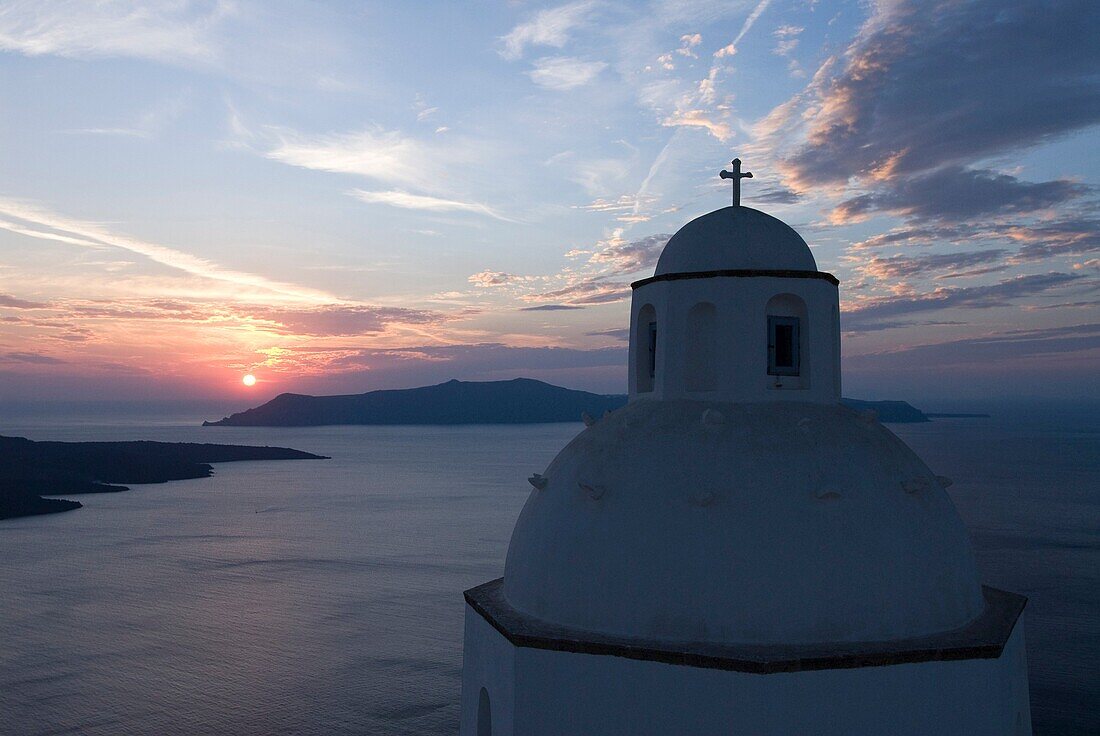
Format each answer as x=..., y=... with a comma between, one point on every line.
x=324, y=597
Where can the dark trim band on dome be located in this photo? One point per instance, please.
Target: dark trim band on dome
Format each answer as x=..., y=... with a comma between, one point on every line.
x=983, y=638
x=740, y=273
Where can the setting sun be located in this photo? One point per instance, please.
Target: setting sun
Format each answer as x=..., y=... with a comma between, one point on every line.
x=249, y=380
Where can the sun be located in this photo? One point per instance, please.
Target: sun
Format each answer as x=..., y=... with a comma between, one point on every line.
x=249, y=380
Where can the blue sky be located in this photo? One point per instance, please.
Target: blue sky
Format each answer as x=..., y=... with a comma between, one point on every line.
x=339, y=197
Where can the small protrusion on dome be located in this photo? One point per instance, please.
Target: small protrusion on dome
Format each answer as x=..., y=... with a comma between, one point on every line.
x=713, y=417
x=916, y=485
x=827, y=494
x=593, y=492
x=538, y=481
x=705, y=498
x=944, y=481
x=587, y=419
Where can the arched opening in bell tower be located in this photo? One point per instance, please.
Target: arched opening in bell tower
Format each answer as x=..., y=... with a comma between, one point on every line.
x=786, y=331
x=645, y=348
x=700, y=371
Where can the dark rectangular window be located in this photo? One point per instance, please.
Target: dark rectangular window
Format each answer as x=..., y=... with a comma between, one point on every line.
x=783, y=346
x=652, y=349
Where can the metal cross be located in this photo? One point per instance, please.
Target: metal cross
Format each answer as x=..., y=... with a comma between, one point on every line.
x=737, y=176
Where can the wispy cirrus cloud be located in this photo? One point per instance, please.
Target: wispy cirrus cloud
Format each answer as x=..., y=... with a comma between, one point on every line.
x=408, y=201
x=549, y=27
x=389, y=157
x=383, y=155
x=731, y=48
x=563, y=73
x=161, y=31
x=36, y=221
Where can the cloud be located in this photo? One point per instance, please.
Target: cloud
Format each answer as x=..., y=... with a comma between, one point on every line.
x=323, y=320
x=551, y=308
x=52, y=226
x=343, y=320
x=162, y=31
x=1000, y=294
x=899, y=267
x=621, y=256
x=382, y=155
x=562, y=73
x=463, y=360
x=619, y=333
x=548, y=27
x=32, y=358
x=11, y=302
x=957, y=193
x=487, y=279
x=910, y=97
x=1073, y=236
x=731, y=49
x=405, y=200
x=786, y=39
x=593, y=290
x=773, y=195
x=389, y=157
x=698, y=118
x=1002, y=349
x=1070, y=237
x=688, y=43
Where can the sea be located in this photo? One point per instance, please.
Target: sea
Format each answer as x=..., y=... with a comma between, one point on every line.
x=325, y=597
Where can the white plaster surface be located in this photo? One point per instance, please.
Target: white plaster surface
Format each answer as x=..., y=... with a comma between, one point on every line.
x=735, y=238
x=742, y=523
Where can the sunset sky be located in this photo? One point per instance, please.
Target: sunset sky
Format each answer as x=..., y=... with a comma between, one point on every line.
x=340, y=197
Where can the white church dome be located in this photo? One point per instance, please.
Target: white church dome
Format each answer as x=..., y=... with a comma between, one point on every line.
x=735, y=238
x=758, y=523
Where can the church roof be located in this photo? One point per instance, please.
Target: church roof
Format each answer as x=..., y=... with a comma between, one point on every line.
x=765, y=524
x=735, y=238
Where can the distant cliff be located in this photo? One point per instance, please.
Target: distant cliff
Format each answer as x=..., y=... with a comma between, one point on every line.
x=519, y=401
x=29, y=470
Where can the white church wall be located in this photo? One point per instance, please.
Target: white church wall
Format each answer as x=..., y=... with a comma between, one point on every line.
x=588, y=695
x=739, y=351
x=488, y=662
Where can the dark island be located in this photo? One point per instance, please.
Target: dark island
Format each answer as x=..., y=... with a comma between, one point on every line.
x=519, y=401
x=29, y=470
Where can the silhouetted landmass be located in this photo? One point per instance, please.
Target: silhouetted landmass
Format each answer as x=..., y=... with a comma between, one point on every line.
x=519, y=401
x=29, y=470
x=891, y=412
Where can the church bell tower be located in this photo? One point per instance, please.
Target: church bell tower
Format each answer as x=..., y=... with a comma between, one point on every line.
x=734, y=551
